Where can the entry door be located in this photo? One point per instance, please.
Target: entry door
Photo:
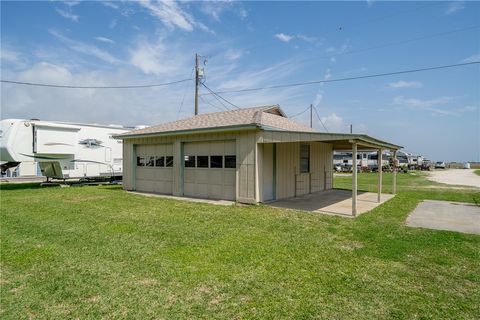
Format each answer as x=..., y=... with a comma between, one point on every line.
x=268, y=171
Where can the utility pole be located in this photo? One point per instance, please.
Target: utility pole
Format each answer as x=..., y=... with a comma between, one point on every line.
x=351, y=128
x=197, y=82
x=311, y=115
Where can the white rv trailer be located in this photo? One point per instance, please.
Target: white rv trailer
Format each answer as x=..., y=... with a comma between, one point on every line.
x=63, y=150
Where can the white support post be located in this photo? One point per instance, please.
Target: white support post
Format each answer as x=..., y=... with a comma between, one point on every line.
x=394, y=187
x=354, y=179
x=380, y=171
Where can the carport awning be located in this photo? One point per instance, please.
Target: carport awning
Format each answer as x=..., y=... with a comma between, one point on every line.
x=340, y=141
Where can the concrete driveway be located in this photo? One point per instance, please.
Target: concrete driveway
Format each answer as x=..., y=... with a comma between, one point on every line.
x=461, y=177
x=446, y=215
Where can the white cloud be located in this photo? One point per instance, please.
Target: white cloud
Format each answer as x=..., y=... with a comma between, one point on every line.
x=104, y=39
x=405, y=84
x=157, y=58
x=284, y=37
x=126, y=107
x=170, y=14
x=68, y=15
x=430, y=105
x=109, y=4
x=473, y=58
x=454, y=6
x=370, y=2
x=233, y=54
x=334, y=123
x=86, y=48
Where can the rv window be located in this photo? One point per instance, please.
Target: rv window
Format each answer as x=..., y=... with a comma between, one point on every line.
x=304, y=158
x=168, y=161
x=189, y=161
x=140, y=161
x=202, y=161
x=230, y=161
x=150, y=161
x=160, y=162
x=216, y=162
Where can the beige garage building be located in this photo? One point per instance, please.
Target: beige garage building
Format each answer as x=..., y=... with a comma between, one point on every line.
x=248, y=155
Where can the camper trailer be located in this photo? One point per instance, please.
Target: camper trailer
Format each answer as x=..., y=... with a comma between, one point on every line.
x=62, y=150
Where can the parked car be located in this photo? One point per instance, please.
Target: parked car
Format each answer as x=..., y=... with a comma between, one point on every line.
x=439, y=165
x=466, y=165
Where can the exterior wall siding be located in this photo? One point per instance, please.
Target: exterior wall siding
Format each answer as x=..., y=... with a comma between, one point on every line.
x=245, y=142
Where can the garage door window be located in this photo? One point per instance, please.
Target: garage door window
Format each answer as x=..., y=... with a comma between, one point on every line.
x=230, y=161
x=150, y=162
x=169, y=161
x=202, y=161
x=216, y=161
x=189, y=161
x=140, y=161
x=160, y=162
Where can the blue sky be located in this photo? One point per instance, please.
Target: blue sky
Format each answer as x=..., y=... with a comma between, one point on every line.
x=253, y=44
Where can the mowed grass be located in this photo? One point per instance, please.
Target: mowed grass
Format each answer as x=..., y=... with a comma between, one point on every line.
x=477, y=172
x=99, y=252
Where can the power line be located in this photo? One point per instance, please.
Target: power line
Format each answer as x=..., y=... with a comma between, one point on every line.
x=389, y=44
x=297, y=114
x=221, y=102
x=320, y=119
x=94, y=87
x=184, y=95
x=209, y=103
x=346, y=79
x=217, y=95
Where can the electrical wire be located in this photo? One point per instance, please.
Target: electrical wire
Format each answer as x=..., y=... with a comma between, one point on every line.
x=211, y=104
x=300, y=113
x=389, y=44
x=320, y=119
x=184, y=95
x=218, y=99
x=94, y=87
x=345, y=79
x=217, y=95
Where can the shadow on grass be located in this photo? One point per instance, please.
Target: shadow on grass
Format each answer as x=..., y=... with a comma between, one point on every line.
x=19, y=186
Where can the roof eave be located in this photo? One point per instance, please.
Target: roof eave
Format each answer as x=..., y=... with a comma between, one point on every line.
x=189, y=131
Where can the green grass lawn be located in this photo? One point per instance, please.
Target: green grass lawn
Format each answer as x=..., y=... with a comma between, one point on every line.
x=477, y=172
x=99, y=252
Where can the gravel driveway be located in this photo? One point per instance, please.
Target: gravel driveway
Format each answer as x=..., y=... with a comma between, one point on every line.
x=462, y=177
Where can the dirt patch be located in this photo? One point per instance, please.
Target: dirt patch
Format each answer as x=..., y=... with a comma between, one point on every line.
x=459, y=177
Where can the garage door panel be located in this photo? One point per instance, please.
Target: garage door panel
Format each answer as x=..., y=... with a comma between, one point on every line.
x=201, y=190
x=154, y=179
x=216, y=192
x=229, y=177
x=215, y=183
x=229, y=192
x=202, y=176
x=189, y=175
x=216, y=176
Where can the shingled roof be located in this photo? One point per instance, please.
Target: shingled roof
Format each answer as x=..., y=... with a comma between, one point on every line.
x=271, y=117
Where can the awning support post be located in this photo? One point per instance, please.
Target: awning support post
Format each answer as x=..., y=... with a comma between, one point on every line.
x=354, y=179
x=394, y=187
x=380, y=171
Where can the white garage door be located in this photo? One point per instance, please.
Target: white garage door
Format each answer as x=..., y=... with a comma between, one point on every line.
x=210, y=170
x=154, y=171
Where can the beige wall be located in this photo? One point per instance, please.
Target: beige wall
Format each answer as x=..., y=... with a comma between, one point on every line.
x=249, y=151
x=290, y=182
x=245, y=152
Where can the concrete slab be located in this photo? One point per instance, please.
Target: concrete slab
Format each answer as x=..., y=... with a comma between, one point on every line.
x=337, y=202
x=446, y=215
x=209, y=201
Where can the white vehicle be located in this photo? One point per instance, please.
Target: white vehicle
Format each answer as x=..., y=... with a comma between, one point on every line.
x=63, y=150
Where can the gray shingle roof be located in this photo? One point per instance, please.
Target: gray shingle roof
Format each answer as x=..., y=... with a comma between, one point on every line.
x=265, y=116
